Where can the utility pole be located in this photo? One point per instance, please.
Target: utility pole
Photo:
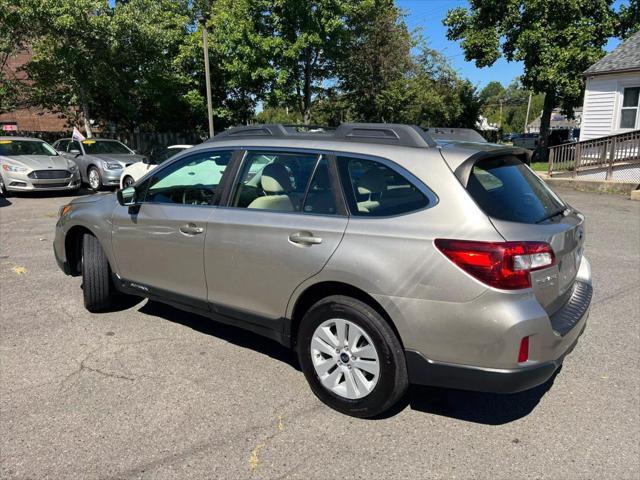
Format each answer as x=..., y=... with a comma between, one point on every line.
x=526, y=119
x=205, y=45
x=500, y=117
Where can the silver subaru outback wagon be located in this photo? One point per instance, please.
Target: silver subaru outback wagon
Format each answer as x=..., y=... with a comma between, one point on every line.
x=384, y=254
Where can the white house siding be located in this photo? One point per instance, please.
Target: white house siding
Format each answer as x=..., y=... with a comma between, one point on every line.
x=602, y=101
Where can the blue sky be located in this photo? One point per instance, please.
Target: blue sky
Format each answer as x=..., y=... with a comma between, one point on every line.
x=428, y=15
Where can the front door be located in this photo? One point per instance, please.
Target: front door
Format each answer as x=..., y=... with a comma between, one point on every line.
x=282, y=225
x=159, y=248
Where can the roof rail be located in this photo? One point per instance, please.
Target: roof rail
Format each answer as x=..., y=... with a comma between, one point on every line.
x=454, y=134
x=383, y=133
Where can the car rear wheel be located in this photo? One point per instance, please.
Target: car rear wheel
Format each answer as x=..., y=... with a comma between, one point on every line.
x=96, y=275
x=351, y=357
x=95, y=182
x=128, y=181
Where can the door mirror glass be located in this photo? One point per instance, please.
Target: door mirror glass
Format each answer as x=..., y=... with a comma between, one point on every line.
x=127, y=196
x=74, y=151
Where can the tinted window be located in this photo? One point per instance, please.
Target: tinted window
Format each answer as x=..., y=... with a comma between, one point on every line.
x=193, y=180
x=96, y=147
x=375, y=190
x=61, y=145
x=320, y=198
x=274, y=180
x=508, y=190
x=75, y=145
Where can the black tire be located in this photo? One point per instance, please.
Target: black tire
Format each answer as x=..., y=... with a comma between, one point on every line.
x=96, y=276
x=127, y=181
x=393, y=380
x=3, y=189
x=99, y=186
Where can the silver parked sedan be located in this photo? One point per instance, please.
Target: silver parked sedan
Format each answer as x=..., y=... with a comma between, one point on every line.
x=100, y=160
x=29, y=164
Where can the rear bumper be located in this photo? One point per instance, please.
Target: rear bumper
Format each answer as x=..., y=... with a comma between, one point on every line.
x=423, y=371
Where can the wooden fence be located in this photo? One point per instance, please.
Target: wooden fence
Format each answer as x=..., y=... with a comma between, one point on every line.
x=596, y=154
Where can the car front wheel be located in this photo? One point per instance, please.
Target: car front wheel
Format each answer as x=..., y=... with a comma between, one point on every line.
x=95, y=182
x=3, y=189
x=351, y=357
x=127, y=181
x=96, y=276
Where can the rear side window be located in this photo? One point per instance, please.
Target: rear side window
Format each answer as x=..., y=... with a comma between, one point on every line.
x=376, y=190
x=507, y=189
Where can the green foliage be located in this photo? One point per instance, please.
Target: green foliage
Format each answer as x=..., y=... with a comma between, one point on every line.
x=628, y=19
x=514, y=105
x=138, y=64
x=555, y=41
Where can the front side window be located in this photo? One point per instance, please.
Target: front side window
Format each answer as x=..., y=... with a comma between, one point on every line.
x=630, y=104
x=193, y=180
x=376, y=190
x=280, y=181
x=61, y=145
x=74, y=147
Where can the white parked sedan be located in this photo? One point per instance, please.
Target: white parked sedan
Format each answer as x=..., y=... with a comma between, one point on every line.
x=136, y=171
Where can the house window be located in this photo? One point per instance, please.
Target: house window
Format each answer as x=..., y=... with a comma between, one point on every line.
x=629, y=111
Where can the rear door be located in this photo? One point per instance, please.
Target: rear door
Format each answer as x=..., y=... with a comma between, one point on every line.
x=283, y=222
x=523, y=208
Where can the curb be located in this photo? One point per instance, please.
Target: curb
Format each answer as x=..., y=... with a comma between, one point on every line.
x=618, y=188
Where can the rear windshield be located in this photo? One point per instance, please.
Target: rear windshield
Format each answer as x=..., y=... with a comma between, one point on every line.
x=507, y=189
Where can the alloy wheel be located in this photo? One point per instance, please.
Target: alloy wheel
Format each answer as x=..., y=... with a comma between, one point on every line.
x=94, y=179
x=345, y=359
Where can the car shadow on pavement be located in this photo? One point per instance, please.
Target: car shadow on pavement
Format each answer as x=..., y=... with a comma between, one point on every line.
x=477, y=407
x=229, y=333
x=4, y=202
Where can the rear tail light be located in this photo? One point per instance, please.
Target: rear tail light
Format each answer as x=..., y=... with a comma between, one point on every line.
x=504, y=265
x=523, y=353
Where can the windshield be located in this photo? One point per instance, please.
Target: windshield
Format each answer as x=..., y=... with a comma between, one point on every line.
x=507, y=189
x=158, y=156
x=14, y=148
x=96, y=147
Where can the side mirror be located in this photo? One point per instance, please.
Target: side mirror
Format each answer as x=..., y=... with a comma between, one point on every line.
x=127, y=197
x=75, y=152
x=146, y=160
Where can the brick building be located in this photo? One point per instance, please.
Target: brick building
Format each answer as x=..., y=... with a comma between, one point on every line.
x=31, y=120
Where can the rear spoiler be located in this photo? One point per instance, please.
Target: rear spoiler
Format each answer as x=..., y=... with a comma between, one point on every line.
x=441, y=134
x=464, y=169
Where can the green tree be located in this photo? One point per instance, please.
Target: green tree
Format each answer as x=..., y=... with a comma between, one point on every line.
x=628, y=19
x=377, y=61
x=555, y=46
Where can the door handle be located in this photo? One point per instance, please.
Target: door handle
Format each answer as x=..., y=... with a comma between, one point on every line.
x=191, y=229
x=305, y=238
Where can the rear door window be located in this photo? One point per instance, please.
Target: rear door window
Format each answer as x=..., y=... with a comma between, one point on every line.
x=373, y=189
x=506, y=189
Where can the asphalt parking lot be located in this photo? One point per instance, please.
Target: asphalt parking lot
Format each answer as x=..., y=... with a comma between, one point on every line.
x=153, y=392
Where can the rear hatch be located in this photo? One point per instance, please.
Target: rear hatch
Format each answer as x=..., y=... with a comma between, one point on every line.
x=523, y=208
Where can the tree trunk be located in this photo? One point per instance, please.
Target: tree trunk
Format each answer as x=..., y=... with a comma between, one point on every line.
x=542, y=152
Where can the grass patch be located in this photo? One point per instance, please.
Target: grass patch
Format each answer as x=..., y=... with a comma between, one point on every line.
x=540, y=166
